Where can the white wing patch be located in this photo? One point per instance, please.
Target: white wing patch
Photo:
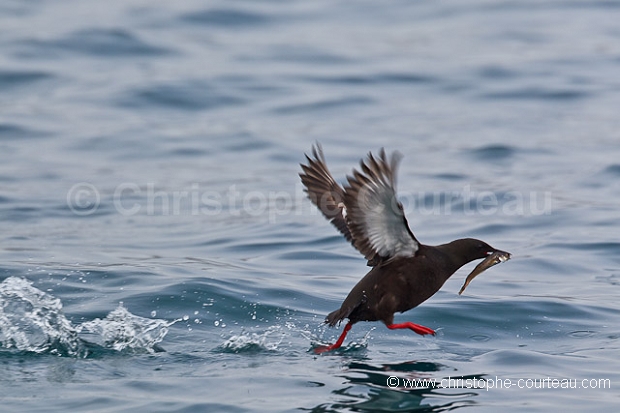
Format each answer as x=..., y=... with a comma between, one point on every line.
x=343, y=210
x=374, y=215
x=384, y=222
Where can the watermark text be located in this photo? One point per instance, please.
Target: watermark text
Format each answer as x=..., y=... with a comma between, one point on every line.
x=130, y=199
x=498, y=383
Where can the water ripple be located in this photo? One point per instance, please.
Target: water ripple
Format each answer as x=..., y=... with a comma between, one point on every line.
x=11, y=131
x=538, y=93
x=238, y=19
x=188, y=95
x=96, y=42
x=325, y=104
x=375, y=79
x=496, y=152
x=10, y=79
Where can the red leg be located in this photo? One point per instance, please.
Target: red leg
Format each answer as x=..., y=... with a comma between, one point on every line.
x=415, y=327
x=338, y=343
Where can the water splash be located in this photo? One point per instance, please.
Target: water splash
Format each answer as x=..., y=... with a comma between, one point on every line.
x=273, y=337
x=353, y=346
x=122, y=330
x=32, y=320
x=254, y=342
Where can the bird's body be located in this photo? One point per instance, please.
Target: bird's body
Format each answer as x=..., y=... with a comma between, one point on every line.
x=395, y=287
x=404, y=273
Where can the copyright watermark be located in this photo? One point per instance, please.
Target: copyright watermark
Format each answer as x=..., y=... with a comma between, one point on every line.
x=83, y=199
x=131, y=198
x=497, y=383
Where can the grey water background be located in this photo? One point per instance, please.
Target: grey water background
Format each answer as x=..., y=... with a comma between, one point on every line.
x=157, y=251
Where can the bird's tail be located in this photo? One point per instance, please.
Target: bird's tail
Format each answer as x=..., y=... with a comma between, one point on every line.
x=337, y=316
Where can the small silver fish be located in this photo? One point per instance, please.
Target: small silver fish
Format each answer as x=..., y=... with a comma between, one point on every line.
x=491, y=260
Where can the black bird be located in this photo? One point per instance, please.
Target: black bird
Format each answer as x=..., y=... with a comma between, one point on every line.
x=404, y=273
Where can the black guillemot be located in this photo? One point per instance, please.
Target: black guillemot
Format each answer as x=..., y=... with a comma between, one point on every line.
x=404, y=273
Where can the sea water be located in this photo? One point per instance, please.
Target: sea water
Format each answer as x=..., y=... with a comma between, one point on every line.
x=158, y=253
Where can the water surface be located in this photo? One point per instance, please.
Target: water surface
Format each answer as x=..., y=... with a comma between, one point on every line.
x=157, y=250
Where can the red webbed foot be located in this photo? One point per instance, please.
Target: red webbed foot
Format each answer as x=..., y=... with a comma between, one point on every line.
x=416, y=328
x=337, y=344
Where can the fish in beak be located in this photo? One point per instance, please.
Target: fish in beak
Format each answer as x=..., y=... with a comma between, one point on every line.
x=492, y=259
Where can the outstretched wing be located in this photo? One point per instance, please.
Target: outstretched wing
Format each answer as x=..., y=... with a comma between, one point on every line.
x=374, y=216
x=324, y=191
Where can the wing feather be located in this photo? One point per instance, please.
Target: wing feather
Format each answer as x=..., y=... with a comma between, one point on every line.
x=324, y=192
x=375, y=218
x=366, y=211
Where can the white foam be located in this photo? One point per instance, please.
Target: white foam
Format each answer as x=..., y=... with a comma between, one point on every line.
x=122, y=330
x=268, y=340
x=32, y=320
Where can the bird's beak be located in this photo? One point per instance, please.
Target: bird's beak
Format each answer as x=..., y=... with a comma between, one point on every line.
x=492, y=259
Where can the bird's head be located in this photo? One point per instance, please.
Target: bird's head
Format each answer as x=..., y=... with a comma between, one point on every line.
x=473, y=249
